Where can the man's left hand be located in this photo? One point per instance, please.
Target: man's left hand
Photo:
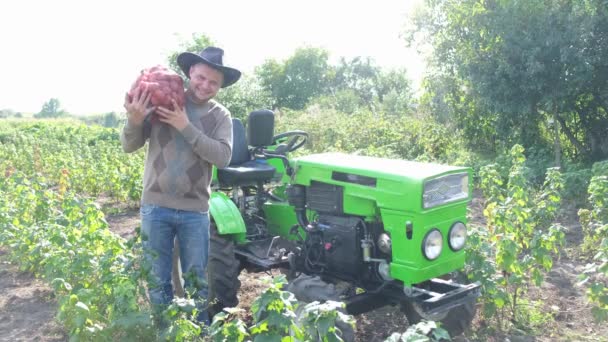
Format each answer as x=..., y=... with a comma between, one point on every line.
x=176, y=118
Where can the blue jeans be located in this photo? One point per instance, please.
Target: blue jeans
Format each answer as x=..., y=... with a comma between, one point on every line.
x=159, y=227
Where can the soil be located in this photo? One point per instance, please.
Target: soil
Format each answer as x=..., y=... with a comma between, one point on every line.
x=27, y=307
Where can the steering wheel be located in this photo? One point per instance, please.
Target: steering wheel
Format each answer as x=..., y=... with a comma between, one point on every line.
x=296, y=139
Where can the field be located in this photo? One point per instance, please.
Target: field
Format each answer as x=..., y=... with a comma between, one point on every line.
x=69, y=251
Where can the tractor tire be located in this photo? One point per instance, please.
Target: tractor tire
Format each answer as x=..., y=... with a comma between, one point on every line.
x=308, y=289
x=456, y=320
x=223, y=270
x=222, y=273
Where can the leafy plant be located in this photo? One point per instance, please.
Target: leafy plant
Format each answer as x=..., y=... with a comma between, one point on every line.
x=422, y=332
x=519, y=242
x=594, y=222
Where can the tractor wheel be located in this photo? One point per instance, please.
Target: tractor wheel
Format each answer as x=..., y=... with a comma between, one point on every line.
x=308, y=289
x=455, y=321
x=222, y=273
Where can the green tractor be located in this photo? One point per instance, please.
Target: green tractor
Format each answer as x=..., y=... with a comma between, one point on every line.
x=367, y=231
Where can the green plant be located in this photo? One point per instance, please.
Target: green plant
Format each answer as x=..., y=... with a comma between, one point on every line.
x=275, y=319
x=594, y=222
x=273, y=313
x=319, y=320
x=520, y=236
x=421, y=332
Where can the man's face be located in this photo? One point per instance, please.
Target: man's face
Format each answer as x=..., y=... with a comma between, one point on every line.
x=205, y=81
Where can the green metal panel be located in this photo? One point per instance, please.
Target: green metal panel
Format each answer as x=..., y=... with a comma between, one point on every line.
x=226, y=216
x=409, y=264
x=399, y=183
x=280, y=217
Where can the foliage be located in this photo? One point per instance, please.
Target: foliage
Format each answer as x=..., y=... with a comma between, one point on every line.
x=9, y=113
x=51, y=109
x=306, y=78
x=506, y=69
x=183, y=326
x=109, y=119
x=576, y=177
x=359, y=75
x=300, y=78
x=64, y=239
x=425, y=331
x=520, y=239
x=244, y=97
x=89, y=157
x=98, y=277
x=595, y=226
x=275, y=319
x=378, y=135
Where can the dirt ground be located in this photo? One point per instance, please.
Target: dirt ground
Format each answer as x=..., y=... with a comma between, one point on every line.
x=27, y=309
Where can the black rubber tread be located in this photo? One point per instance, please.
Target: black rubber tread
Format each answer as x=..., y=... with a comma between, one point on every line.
x=308, y=289
x=223, y=271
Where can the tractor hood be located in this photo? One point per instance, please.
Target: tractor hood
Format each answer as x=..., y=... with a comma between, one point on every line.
x=390, y=183
x=393, y=169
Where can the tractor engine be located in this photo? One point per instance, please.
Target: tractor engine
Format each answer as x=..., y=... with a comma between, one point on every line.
x=335, y=244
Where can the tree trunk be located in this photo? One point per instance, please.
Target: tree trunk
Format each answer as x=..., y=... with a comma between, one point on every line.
x=557, y=145
x=577, y=144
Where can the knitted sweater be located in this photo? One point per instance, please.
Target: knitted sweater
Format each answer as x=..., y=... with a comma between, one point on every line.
x=178, y=167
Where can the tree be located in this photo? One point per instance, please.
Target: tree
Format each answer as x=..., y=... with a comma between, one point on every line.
x=523, y=63
x=300, y=78
x=245, y=96
x=395, y=92
x=196, y=44
x=6, y=113
x=359, y=75
x=111, y=119
x=377, y=89
x=51, y=109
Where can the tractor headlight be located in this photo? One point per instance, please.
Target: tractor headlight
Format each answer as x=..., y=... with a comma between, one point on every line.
x=432, y=244
x=457, y=236
x=446, y=189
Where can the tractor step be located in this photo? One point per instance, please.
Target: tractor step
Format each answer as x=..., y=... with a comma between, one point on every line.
x=442, y=295
x=266, y=253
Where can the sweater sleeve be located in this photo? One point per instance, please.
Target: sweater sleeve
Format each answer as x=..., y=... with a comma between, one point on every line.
x=217, y=149
x=132, y=137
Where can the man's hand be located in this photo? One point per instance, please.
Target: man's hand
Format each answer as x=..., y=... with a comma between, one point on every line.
x=137, y=108
x=176, y=118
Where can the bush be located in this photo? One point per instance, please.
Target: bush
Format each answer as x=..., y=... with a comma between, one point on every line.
x=595, y=226
x=519, y=242
x=378, y=135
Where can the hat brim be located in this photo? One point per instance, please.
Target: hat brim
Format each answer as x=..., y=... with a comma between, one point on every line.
x=187, y=59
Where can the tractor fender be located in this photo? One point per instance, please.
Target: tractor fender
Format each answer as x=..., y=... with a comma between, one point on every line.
x=226, y=216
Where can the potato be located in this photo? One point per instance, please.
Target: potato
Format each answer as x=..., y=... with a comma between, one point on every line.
x=164, y=86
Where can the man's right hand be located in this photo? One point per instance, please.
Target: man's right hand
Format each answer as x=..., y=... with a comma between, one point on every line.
x=137, y=107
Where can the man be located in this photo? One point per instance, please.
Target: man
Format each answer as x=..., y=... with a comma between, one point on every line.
x=177, y=175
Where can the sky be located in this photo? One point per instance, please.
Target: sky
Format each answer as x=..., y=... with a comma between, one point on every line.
x=87, y=54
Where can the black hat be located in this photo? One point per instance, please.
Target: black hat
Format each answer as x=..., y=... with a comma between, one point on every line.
x=211, y=56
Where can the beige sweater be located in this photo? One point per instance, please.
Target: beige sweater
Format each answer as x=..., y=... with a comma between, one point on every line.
x=178, y=165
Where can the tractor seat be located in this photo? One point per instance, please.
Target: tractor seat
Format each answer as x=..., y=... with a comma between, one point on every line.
x=242, y=170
